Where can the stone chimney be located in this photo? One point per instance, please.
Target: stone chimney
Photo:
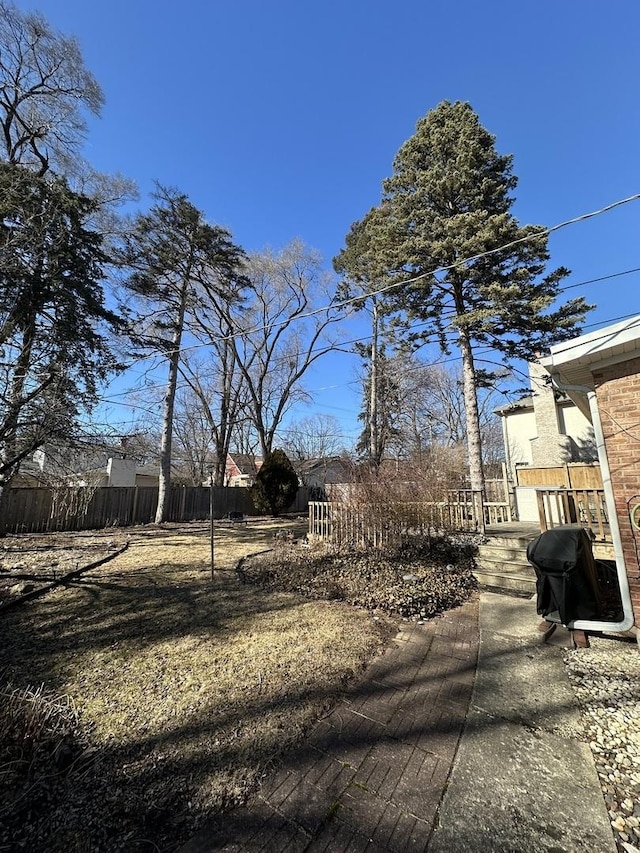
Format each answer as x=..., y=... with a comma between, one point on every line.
x=550, y=447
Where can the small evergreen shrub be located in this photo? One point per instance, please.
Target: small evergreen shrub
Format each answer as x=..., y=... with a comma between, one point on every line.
x=276, y=484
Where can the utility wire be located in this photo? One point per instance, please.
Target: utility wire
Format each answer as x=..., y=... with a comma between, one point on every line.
x=541, y=232
x=398, y=284
x=159, y=386
x=432, y=339
x=601, y=278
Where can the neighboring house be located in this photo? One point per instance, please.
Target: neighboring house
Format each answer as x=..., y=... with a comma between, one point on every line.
x=600, y=372
x=546, y=428
x=95, y=468
x=317, y=474
x=120, y=473
x=543, y=431
x=241, y=469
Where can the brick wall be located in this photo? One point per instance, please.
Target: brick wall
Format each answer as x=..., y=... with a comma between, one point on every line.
x=618, y=394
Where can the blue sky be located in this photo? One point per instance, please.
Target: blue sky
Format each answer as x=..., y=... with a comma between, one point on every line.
x=281, y=119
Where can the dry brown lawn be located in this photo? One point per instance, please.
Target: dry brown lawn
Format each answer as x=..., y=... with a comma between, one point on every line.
x=187, y=687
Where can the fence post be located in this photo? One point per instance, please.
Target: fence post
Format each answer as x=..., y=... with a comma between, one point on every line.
x=134, y=505
x=542, y=516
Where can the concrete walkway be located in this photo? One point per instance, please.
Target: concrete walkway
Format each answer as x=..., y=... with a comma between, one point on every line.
x=394, y=767
x=523, y=779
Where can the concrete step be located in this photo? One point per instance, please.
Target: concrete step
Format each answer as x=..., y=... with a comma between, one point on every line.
x=501, y=563
x=519, y=582
x=494, y=551
x=518, y=542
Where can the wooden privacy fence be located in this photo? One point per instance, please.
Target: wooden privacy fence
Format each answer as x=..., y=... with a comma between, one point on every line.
x=34, y=510
x=573, y=475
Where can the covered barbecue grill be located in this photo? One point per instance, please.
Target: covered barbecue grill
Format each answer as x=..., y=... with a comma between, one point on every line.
x=567, y=581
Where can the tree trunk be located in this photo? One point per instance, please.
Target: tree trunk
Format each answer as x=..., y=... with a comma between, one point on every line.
x=164, y=478
x=222, y=444
x=15, y=402
x=4, y=496
x=374, y=438
x=474, y=442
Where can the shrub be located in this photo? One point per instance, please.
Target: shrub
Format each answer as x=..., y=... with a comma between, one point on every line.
x=40, y=745
x=276, y=484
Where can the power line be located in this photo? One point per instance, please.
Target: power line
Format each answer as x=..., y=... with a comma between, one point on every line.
x=396, y=285
x=430, y=273
x=601, y=278
x=354, y=382
x=432, y=338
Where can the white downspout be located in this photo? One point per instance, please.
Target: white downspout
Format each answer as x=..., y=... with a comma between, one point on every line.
x=623, y=581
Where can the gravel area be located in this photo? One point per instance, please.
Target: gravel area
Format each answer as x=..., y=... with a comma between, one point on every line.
x=607, y=681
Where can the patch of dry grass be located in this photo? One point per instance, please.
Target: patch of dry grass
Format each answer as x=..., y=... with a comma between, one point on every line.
x=187, y=688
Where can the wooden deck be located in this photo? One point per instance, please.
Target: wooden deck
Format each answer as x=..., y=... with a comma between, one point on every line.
x=514, y=530
x=502, y=559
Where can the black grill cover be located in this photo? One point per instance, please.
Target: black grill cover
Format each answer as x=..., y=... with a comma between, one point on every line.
x=566, y=574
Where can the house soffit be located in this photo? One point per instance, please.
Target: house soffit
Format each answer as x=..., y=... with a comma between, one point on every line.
x=573, y=363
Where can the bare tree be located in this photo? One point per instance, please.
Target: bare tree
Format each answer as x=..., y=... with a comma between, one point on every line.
x=218, y=384
x=282, y=333
x=44, y=88
x=432, y=413
x=210, y=409
x=316, y=437
x=194, y=442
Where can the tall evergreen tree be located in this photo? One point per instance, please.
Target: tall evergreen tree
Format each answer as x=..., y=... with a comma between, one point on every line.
x=362, y=274
x=53, y=320
x=183, y=270
x=476, y=276
x=276, y=483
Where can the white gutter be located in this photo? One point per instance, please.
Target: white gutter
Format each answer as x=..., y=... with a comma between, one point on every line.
x=621, y=568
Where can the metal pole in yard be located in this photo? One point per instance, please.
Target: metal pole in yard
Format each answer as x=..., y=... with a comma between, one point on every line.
x=211, y=524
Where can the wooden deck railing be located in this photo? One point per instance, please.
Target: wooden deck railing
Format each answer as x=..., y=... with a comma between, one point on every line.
x=377, y=524
x=462, y=508
x=574, y=506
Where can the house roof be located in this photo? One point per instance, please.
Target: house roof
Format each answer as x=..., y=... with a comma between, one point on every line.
x=508, y=408
x=320, y=462
x=333, y=469
x=572, y=362
x=242, y=463
x=526, y=404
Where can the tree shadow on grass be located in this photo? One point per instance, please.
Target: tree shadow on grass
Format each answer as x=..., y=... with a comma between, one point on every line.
x=150, y=790
x=157, y=787
x=137, y=782
x=91, y=614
